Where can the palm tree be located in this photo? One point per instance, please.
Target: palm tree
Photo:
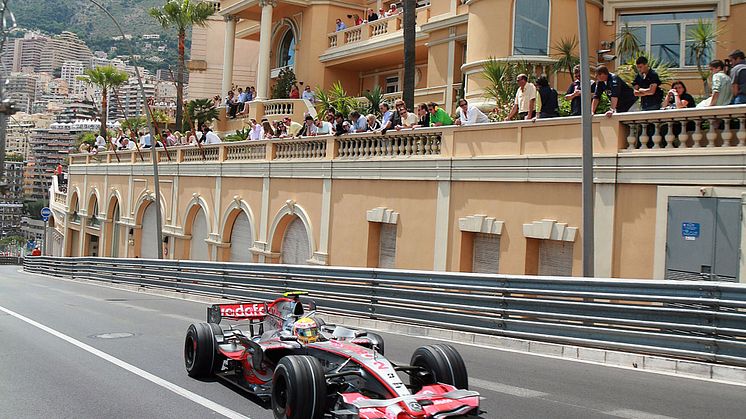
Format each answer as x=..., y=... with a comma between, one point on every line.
x=410, y=22
x=628, y=71
x=703, y=37
x=202, y=111
x=627, y=43
x=182, y=15
x=105, y=78
x=375, y=97
x=565, y=54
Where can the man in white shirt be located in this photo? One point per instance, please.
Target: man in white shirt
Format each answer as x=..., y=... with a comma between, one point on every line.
x=211, y=137
x=386, y=115
x=309, y=95
x=525, y=100
x=100, y=142
x=292, y=126
x=359, y=124
x=255, y=131
x=323, y=127
x=468, y=115
x=145, y=141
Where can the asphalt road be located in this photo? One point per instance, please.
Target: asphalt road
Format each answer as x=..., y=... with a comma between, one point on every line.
x=75, y=350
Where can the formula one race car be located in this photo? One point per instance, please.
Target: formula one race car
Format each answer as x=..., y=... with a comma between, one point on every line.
x=282, y=352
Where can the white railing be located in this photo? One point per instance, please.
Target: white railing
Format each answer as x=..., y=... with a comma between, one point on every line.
x=206, y=153
x=400, y=144
x=687, y=128
x=246, y=151
x=300, y=149
x=332, y=40
x=379, y=27
x=279, y=107
x=353, y=35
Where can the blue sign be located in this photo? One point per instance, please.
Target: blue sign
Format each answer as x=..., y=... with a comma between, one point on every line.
x=45, y=213
x=690, y=231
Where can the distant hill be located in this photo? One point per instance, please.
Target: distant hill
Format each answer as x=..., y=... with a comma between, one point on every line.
x=91, y=24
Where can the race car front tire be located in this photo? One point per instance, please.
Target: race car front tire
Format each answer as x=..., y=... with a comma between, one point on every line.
x=299, y=388
x=201, y=357
x=442, y=364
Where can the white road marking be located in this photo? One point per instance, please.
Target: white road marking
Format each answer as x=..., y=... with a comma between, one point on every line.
x=217, y=408
x=505, y=389
x=635, y=414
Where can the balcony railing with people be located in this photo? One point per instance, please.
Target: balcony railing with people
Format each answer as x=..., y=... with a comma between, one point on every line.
x=718, y=128
x=377, y=29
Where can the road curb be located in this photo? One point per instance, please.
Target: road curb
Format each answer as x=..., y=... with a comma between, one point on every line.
x=650, y=363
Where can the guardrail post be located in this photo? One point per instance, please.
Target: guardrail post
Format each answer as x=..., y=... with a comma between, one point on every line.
x=374, y=283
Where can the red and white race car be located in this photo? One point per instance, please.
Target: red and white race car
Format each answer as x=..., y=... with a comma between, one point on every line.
x=310, y=370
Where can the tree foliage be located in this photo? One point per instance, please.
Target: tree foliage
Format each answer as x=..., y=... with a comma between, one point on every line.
x=285, y=81
x=375, y=98
x=704, y=37
x=105, y=78
x=565, y=54
x=182, y=15
x=628, y=70
x=336, y=99
x=501, y=83
x=201, y=110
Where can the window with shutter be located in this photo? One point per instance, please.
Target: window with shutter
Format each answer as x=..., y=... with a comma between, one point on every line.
x=555, y=258
x=148, y=245
x=241, y=239
x=486, y=253
x=296, y=250
x=198, y=245
x=387, y=249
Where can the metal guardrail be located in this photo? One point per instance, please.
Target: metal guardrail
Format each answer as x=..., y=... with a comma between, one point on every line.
x=693, y=320
x=11, y=260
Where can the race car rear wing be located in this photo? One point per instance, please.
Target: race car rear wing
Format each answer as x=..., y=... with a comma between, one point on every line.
x=241, y=311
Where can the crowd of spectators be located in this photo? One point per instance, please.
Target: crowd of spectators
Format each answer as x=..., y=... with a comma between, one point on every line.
x=371, y=15
x=237, y=104
x=142, y=140
x=540, y=101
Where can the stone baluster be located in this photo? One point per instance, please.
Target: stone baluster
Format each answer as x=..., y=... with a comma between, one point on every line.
x=644, y=137
x=632, y=136
x=657, y=135
x=712, y=134
x=697, y=135
x=741, y=135
x=684, y=135
x=408, y=145
x=726, y=134
x=670, y=137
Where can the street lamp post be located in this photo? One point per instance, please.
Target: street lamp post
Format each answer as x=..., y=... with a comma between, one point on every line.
x=587, y=120
x=153, y=152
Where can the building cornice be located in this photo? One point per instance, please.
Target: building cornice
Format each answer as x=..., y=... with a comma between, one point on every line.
x=438, y=23
x=610, y=7
x=368, y=46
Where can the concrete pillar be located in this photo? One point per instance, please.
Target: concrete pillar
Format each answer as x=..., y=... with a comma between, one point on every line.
x=451, y=70
x=265, y=41
x=230, y=43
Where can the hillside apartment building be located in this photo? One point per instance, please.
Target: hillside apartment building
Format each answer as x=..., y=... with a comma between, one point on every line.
x=499, y=197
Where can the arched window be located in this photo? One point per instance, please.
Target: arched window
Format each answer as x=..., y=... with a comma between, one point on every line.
x=241, y=239
x=148, y=238
x=531, y=27
x=287, y=50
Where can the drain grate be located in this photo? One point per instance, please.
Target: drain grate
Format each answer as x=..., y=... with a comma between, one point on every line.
x=116, y=300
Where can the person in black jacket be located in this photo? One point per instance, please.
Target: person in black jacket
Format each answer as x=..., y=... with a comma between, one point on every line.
x=573, y=93
x=647, y=86
x=622, y=96
x=549, y=104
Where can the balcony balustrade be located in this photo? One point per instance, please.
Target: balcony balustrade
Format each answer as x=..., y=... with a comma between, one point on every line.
x=666, y=131
x=686, y=128
x=373, y=30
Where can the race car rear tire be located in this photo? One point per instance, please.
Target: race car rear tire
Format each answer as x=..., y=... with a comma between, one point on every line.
x=442, y=364
x=201, y=357
x=377, y=340
x=299, y=388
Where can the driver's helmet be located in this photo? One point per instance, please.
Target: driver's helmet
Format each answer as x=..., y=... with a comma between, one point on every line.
x=306, y=330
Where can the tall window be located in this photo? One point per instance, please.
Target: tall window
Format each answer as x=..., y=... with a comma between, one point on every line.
x=531, y=27
x=665, y=36
x=287, y=50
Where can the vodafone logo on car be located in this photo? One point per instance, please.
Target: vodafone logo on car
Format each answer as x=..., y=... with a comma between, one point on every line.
x=242, y=310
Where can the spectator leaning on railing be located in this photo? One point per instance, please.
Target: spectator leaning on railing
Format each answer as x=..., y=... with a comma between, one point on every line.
x=309, y=127
x=340, y=26
x=438, y=117
x=359, y=123
x=738, y=77
x=468, y=115
x=621, y=96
